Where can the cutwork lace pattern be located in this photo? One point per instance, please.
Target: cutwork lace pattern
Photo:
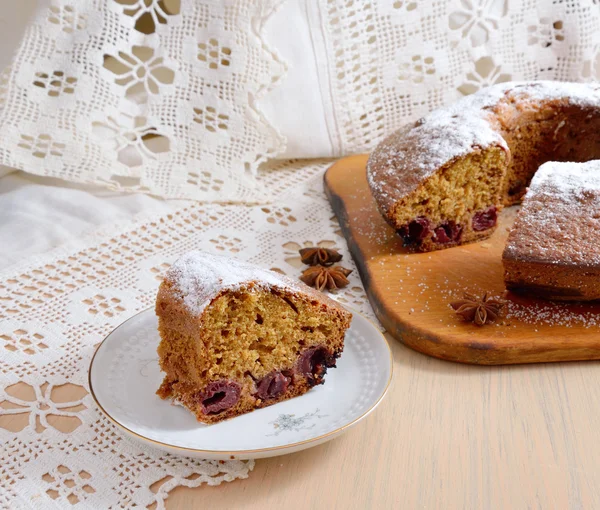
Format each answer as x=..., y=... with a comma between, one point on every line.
x=146, y=95
x=161, y=96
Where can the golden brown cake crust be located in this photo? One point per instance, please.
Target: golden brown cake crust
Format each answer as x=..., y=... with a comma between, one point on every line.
x=552, y=249
x=235, y=337
x=525, y=124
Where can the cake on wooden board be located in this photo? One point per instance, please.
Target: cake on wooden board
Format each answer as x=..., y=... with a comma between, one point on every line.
x=235, y=337
x=442, y=180
x=553, y=250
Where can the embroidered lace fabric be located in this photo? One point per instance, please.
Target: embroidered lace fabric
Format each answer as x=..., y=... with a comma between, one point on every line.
x=162, y=96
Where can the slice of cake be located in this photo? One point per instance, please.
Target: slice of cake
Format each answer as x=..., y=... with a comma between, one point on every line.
x=553, y=250
x=235, y=337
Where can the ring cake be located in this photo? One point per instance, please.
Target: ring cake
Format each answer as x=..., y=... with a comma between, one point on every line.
x=442, y=180
x=235, y=337
x=552, y=250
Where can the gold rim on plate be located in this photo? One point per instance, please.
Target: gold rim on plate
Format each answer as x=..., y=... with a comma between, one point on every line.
x=240, y=452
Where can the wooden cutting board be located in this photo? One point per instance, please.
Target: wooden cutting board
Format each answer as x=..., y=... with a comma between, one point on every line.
x=411, y=292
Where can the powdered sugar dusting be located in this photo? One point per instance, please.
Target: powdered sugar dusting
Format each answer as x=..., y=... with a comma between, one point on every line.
x=560, y=217
x=199, y=276
x=403, y=160
x=552, y=314
x=400, y=163
x=566, y=180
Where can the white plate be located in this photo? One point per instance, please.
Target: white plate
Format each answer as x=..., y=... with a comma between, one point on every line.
x=124, y=376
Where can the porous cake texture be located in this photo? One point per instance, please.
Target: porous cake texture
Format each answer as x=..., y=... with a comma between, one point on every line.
x=553, y=250
x=235, y=337
x=442, y=180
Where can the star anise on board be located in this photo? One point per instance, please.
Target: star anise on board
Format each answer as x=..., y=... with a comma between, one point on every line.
x=319, y=256
x=478, y=310
x=329, y=278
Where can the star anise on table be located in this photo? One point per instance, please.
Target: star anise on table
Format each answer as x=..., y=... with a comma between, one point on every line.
x=319, y=256
x=329, y=278
x=478, y=310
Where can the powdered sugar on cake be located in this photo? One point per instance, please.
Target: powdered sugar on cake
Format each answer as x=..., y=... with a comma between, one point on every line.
x=560, y=217
x=566, y=180
x=200, y=276
x=418, y=150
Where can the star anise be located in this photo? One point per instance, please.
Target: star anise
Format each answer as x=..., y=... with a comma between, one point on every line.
x=329, y=278
x=479, y=311
x=319, y=256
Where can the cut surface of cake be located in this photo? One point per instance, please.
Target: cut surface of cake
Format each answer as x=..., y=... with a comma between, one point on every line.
x=443, y=180
x=235, y=337
x=552, y=250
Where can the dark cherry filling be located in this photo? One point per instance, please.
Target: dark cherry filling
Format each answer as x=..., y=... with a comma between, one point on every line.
x=313, y=364
x=482, y=220
x=415, y=231
x=219, y=396
x=272, y=385
x=420, y=228
x=447, y=233
x=517, y=188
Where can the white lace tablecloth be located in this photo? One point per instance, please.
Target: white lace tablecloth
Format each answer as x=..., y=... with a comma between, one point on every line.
x=57, y=307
